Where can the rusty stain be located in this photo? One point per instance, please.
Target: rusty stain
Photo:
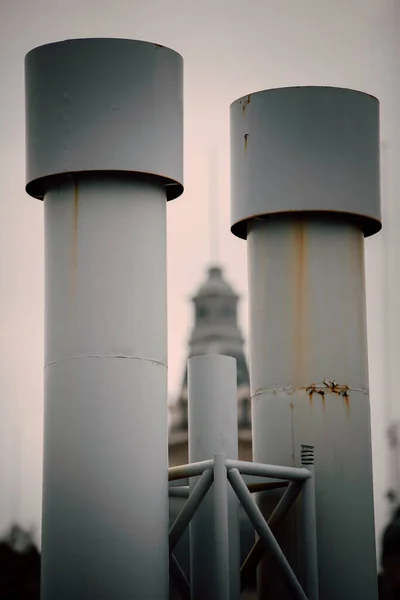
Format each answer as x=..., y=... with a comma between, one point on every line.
x=246, y=136
x=245, y=102
x=322, y=389
x=346, y=400
x=300, y=300
x=329, y=386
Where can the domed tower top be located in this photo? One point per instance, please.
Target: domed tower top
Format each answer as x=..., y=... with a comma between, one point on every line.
x=216, y=331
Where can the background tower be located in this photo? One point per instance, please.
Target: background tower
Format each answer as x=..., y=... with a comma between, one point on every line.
x=215, y=331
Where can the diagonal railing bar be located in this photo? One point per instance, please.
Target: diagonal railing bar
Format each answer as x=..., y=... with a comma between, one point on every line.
x=179, y=578
x=258, y=550
x=189, y=508
x=264, y=531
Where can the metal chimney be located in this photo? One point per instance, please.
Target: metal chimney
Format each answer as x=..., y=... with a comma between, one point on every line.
x=104, y=122
x=305, y=191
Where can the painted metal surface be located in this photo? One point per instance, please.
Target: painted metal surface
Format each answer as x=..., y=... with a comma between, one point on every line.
x=213, y=429
x=104, y=104
x=305, y=149
x=105, y=489
x=309, y=383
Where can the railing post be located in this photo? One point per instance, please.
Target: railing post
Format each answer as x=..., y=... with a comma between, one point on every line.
x=310, y=524
x=213, y=430
x=221, y=528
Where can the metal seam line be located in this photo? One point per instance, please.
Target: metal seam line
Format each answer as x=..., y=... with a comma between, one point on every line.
x=100, y=356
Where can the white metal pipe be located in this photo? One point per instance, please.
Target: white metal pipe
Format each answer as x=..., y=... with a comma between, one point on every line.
x=181, y=491
x=309, y=381
x=265, y=470
x=310, y=526
x=104, y=120
x=305, y=191
x=105, y=490
x=212, y=392
x=221, y=527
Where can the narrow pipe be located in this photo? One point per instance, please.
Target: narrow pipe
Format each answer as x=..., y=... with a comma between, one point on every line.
x=181, y=491
x=213, y=429
x=310, y=525
x=266, y=487
x=265, y=533
x=193, y=502
x=250, y=468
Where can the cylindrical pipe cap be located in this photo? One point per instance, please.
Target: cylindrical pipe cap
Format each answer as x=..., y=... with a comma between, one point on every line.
x=109, y=105
x=305, y=150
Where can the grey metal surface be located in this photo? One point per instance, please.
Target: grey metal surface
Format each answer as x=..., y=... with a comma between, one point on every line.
x=305, y=149
x=105, y=482
x=265, y=533
x=309, y=385
x=213, y=429
x=104, y=104
x=221, y=528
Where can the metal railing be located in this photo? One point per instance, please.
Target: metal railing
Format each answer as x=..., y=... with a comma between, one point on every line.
x=218, y=472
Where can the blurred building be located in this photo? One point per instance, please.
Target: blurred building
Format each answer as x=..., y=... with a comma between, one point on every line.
x=215, y=331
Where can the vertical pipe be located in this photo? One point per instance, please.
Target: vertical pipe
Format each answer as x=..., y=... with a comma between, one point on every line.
x=221, y=525
x=102, y=115
x=310, y=525
x=305, y=191
x=105, y=390
x=212, y=393
x=307, y=290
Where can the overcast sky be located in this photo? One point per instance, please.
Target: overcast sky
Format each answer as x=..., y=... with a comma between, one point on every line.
x=230, y=48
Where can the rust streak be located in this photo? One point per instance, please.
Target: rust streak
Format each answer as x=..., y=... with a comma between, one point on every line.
x=245, y=102
x=346, y=400
x=300, y=301
x=246, y=138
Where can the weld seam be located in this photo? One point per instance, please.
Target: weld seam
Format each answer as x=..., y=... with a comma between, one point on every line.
x=101, y=356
